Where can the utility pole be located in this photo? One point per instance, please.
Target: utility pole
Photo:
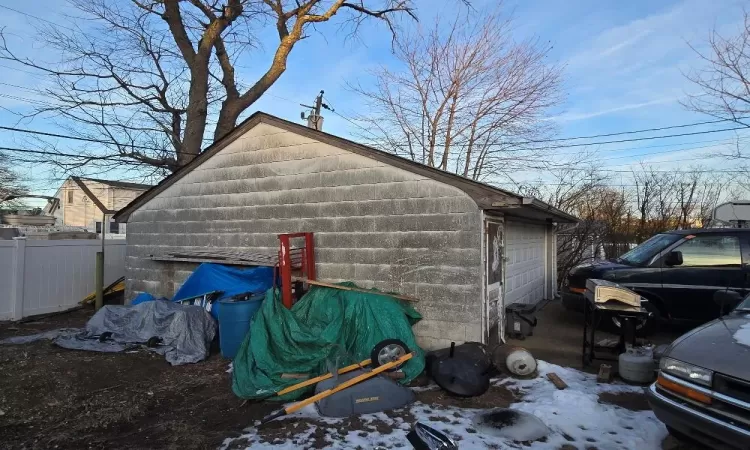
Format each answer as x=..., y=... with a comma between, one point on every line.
x=314, y=119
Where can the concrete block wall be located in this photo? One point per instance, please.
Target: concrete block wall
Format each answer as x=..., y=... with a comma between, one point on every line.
x=374, y=224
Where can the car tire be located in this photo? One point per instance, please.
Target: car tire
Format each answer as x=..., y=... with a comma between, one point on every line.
x=647, y=328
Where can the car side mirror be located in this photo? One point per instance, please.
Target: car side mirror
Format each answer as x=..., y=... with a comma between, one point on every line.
x=673, y=258
x=422, y=437
x=727, y=300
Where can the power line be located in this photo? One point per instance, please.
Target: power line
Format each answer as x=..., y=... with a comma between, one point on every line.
x=44, y=152
x=645, y=130
x=36, y=74
x=677, y=150
x=353, y=123
x=537, y=141
x=659, y=171
x=35, y=17
x=724, y=141
x=83, y=139
x=30, y=100
x=19, y=87
x=695, y=133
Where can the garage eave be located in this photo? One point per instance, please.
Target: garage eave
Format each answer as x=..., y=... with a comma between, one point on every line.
x=533, y=209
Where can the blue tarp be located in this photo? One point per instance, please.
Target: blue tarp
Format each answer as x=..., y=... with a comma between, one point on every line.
x=230, y=280
x=143, y=297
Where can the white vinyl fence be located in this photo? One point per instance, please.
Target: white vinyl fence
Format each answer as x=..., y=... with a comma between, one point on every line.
x=41, y=276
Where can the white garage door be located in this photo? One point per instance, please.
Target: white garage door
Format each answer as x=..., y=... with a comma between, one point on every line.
x=524, y=267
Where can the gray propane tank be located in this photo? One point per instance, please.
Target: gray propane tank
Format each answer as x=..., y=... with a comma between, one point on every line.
x=637, y=365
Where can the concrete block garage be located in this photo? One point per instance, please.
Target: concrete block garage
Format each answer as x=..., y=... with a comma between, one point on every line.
x=462, y=247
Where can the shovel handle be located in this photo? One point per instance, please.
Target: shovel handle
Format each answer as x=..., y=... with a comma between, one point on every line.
x=323, y=377
x=346, y=384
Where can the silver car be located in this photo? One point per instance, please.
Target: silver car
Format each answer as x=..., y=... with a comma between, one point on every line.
x=703, y=388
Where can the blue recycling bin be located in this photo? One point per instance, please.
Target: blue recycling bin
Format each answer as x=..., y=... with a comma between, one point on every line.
x=234, y=323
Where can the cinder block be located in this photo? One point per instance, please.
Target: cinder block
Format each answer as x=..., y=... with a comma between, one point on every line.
x=474, y=333
x=454, y=331
x=429, y=344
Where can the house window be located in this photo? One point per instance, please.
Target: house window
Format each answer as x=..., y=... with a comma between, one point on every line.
x=98, y=227
x=70, y=197
x=114, y=227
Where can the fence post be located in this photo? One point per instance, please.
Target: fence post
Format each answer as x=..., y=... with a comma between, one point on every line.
x=99, y=280
x=16, y=291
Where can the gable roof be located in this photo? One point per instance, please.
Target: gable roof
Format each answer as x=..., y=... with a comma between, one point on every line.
x=487, y=197
x=120, y=184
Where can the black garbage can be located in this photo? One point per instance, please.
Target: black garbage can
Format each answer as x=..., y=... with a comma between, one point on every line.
x=520, y=320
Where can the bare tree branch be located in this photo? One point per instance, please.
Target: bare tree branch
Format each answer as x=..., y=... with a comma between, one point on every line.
x=145, y=76
x=466, y=95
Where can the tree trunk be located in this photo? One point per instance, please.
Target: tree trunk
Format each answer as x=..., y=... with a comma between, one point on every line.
x=197, y=112
x=227, y=119
x=448, y=136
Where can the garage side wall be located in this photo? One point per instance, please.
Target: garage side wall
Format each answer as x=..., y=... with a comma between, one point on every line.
x=374, y=224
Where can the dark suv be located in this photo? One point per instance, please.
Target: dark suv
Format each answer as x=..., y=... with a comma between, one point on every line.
x=678, y=272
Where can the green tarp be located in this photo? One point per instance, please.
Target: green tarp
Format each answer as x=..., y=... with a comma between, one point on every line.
x=326, y=325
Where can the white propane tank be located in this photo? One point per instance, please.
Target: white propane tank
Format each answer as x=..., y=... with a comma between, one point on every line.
x=517, y=360
x=637, y=365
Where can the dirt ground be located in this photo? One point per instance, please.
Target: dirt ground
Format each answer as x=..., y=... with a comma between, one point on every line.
x=57, y=398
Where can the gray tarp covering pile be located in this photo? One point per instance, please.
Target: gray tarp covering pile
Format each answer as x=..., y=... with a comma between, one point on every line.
x=51, y=334
x=186, y=331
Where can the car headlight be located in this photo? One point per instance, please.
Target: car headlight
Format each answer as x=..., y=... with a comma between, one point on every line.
x=686, y=371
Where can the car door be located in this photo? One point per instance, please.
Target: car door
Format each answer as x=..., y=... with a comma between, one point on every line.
x=710, y=262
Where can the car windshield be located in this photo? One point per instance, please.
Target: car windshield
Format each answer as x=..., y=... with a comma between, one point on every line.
x=641, y=254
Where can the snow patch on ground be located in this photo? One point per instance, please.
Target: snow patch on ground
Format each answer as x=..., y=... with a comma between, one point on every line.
x=574, y=416
x=742, y=335
x=575, y=413
x=429, y=387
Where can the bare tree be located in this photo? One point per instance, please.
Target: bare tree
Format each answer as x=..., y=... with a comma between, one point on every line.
x=10, y=182
x=646, y=183
x=144, y=76
x=708, y=191
x=467, y=98
x=613, y=218
x=724, y=83
x=574, y=192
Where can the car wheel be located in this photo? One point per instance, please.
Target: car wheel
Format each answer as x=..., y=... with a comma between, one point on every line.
x=387, y=351
x=644, y=327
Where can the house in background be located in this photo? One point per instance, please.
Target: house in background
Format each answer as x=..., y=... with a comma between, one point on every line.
x=464, y=248
x=81, y=201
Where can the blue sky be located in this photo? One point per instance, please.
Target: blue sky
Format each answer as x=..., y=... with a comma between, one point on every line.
x=624, y=70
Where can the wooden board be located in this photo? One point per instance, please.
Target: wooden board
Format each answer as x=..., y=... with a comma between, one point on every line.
x=556, y=380
x=347, y=288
